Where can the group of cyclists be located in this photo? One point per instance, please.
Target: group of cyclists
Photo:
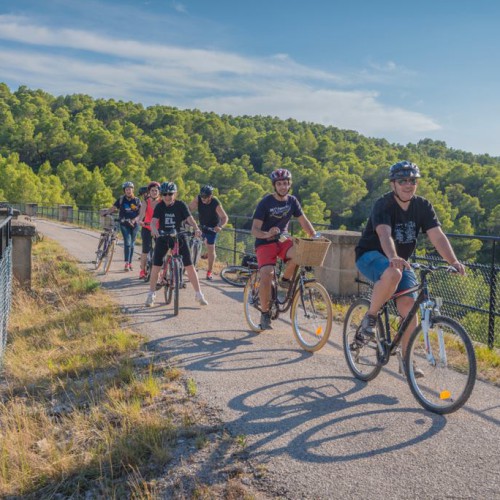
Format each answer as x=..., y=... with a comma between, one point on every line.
x=382, y=254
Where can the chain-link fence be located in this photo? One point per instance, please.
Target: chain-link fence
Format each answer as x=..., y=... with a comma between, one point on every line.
x=5, y=275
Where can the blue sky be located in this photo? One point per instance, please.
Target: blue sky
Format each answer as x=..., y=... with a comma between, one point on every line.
x=397, y=70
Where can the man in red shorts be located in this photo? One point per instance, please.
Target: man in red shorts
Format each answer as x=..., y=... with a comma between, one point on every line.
x=270, y=220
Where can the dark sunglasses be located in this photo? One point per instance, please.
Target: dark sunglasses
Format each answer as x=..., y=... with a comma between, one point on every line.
x=205, y=197
x=402, y=182
x=168, y=194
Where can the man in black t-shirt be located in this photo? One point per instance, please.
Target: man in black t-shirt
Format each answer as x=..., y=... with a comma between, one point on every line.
x=389, y=239
x=270, y=220
x=168, y=216
x=212, y=219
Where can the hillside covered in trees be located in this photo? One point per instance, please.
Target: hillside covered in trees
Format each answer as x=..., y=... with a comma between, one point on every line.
x=78, y=150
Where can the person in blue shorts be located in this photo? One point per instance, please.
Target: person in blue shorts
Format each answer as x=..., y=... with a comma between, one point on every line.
x=388, y=241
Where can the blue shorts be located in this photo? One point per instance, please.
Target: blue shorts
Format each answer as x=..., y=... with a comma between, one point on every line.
x=209, y=237
x=373, y=264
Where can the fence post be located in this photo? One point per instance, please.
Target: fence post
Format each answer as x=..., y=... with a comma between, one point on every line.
x=493, y=298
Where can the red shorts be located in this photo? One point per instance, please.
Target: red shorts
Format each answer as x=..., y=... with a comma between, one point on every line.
x=268, y=253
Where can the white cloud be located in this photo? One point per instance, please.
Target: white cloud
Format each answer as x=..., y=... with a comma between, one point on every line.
x=223, y=82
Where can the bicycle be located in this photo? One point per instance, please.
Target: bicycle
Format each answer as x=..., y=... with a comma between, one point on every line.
x=439, y=344
x=149, y=261
x=171, y=276
x=107, y=243
x=239, y=275
x=308, y=301
x=195, y=245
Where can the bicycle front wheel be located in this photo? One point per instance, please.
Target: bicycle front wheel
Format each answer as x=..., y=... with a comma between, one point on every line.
x=251, y=302
x=312, y=316
x=169, y=281
x=101, y=250
x=448, y=365
x=176, y=284
x=196, y=244
x=236, y=275
x=362, y=358
x=109, y=256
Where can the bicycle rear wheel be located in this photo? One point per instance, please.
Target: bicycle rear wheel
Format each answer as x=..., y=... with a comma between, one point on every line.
x=149, y=265
x=196, y=244
x=109, y=256
x=312, y=316
x=362, y=360
x=251, y=302
x=236, y=275
x=449, y=366
x=101, y=250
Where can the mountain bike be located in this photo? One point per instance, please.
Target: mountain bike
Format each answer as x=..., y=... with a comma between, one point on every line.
x=195, y=245
x=171, y=276
x=149, y=261
x=439, y=346
x=239, y=275
x=308, y=301
x=107, y=243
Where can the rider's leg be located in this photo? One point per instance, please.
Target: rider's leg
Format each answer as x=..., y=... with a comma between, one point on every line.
x=404, y=304
x=155, y=270
x=193, y=277
x=211, y=257
x=287, y=252
x=384, y=288
x=266, y=278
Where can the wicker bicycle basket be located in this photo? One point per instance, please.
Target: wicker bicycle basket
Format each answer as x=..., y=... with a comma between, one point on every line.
x=310, y=252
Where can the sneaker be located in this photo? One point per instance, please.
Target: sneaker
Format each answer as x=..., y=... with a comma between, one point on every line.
x=209, y=276
x=142, y=274
x=151, y=299
x=366, y=331
x=126, y=267
x=200, y=298
x=265, y=321
x=284, y=283
x=130, y=268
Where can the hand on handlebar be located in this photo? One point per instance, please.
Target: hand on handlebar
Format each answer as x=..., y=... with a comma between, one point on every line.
x=399, y=263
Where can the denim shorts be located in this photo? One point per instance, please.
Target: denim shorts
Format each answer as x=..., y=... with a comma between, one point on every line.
x=373, y=264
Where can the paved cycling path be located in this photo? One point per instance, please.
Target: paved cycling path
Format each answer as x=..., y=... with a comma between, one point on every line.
x=321, y=433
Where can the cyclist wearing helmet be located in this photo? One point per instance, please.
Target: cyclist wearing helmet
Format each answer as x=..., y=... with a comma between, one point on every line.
x=389, y=239
x=212, y=219
x=168, y=216
x=270, y=219
x=128, y=207
x=143, y=193
x=151, y=197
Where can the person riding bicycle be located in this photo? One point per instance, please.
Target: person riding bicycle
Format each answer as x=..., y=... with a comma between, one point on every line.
x=143, y=193
x=388, y=241
x=168, y=216
x=151, y=197
x=212, y=219
x=270, y=220
x=128, y=207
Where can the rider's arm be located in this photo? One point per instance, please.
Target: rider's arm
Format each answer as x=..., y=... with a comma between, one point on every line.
x=154, y=227
x=223, y=218
x=306, y=225
x=264, y=235
x=142, y=212
x=190, y=220
x=389, y=248
x=444, y=248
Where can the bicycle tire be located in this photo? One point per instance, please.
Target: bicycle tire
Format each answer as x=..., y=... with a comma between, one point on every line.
x=448, y=381
x=149, y=265
x=195, y=247
x=108, y=258
x=176, y=285
x=251, y=302
x=99, y=254
x=363, y=361
x=169, y=279
x=312, y=316
x=236, y=275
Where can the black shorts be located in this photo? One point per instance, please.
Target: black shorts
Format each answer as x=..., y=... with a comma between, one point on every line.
x=147, y=240
x=164, y=243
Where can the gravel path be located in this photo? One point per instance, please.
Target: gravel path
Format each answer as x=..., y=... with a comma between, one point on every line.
x=319, y=432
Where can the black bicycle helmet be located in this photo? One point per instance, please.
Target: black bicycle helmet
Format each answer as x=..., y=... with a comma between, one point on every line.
x=403, y=169
x=281, y=174
x=143, y=190
x=127, y=184
x=168, y=187
x=207, y=190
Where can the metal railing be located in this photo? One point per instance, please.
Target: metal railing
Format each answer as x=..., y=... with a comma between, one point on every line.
x=475, y=302
x=5, y=273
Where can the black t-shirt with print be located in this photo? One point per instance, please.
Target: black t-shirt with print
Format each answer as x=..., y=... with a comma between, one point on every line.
x=276, y=213
x=405, y=224
x=172, y=216
x=129, y=207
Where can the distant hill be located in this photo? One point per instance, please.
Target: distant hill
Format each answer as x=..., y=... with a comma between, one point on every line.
x=77, y=149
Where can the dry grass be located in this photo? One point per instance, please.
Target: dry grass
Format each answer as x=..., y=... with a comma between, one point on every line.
x=83, y=410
